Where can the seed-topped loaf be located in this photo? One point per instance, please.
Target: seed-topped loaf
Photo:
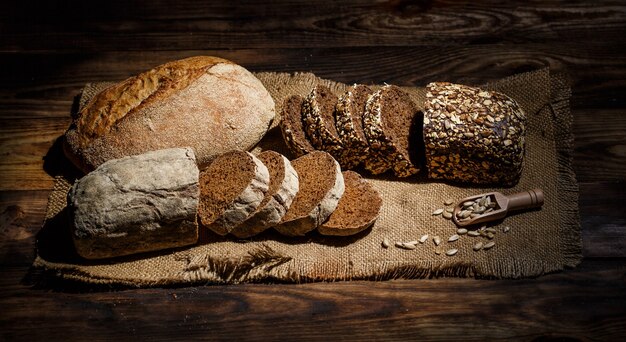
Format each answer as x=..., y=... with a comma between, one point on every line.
x=292, y=129
x=321, y=187
x=357, y=210
x=318, y=118
x=472, y=135
x=391, y=126
x=231, y=188
x=210, y=104
x=283, y=188
x=349, y=124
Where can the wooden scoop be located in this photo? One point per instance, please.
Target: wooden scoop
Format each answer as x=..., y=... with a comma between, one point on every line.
x=492, y=212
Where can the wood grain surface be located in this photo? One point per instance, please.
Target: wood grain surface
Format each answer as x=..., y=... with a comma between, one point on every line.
x=48, y=51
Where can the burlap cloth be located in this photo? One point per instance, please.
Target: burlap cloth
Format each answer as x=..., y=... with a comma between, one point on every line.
x=540, y=241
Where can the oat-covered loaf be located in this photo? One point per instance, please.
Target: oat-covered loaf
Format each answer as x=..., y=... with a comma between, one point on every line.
x=210, y=104
x=472, y=135
x=391, y=126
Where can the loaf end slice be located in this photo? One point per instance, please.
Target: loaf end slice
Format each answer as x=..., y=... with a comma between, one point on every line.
x=357, y=210
x=232, y=187
x=136, y=204
x=292, y=129
x=283, y=187
x=392, y=125
x=321, y=187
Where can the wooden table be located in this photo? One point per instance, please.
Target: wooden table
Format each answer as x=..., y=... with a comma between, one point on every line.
x=50, y=50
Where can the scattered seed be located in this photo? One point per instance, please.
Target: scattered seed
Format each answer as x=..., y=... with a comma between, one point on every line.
x=448, y=201
x=437, y=240
x=451, y=252
x=404, y=245
x=473, y=233
x=490, y=230
x=414, y=242
x=386, y=243
x=489, y=245
x=490, y=236
x=453, y=238
x=478, y=246
x=461, y=231
x=437, y=251
x=438, y=212
x=450, y=210
x=447, y=215
x=423, y=238
x=506, y=229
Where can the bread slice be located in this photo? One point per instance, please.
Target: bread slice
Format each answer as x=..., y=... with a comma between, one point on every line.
x=321, y=187
x=283, y=188
x=349, y=124
x=231, y=188
x=318, y=119
x=390, y=122
x=357, y=210
x=291, y=127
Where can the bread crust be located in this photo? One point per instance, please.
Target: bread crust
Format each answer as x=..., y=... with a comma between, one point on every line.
x=208, y=103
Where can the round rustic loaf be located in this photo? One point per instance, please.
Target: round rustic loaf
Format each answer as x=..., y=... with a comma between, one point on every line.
x=208, y=103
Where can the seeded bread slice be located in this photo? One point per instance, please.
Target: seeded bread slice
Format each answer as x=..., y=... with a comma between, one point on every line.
x=357, y=210
x=318, y=119
x=349, y=123
x=321, y=187
x=391, y=125
x=283, y=188
x=291, y=127
x=231, y=188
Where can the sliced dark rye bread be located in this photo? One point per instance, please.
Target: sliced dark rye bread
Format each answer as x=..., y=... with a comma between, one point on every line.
x=357, y=210
x=391, y=122
x=349, y=124
x=283, y=188
x=231, y=188
x=318, y=119
x=321, y=187
x=292, y=129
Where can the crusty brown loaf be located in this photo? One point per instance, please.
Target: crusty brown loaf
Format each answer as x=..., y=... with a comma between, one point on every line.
x=207, y=103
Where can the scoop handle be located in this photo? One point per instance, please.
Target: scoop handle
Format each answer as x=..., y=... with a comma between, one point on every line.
x=525, y=200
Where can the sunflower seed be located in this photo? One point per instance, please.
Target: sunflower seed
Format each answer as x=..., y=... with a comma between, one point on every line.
x=506, y=229
x=490, y=230
x=447, y=215
x=438, y=212
x=449, y=201
x=478, y=246
x=489, y=245
x=451, y=252
x=461, y=231
x=414, y=242
x=437, y=240
x=437, y=251
x=404, y=245
x=450, y=210
x=468, y=204
x=473, y=215
x=453, y=238
x=386, y=243
x=464, y=214
x=423, y=238
x=473, y=233
x=490, y=236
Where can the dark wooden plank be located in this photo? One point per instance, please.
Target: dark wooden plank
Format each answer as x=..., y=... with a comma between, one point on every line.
x=184, y=25
x=582, y=304
x=597, y=72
